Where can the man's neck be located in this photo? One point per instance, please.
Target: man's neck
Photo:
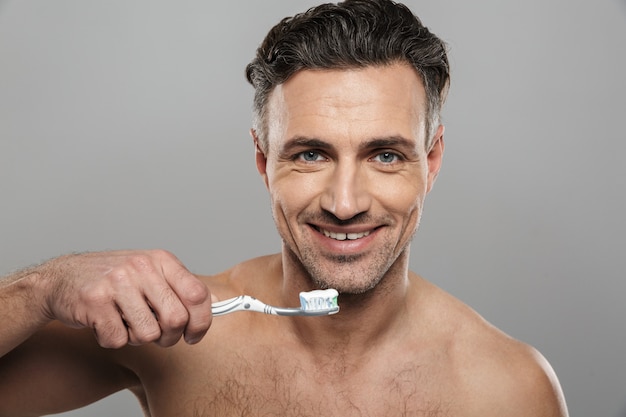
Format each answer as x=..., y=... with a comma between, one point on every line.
x=364, y=320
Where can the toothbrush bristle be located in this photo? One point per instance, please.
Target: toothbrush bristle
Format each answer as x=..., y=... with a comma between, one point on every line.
x=319, y=300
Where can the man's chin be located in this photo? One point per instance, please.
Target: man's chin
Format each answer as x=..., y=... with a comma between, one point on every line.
x=350, y=284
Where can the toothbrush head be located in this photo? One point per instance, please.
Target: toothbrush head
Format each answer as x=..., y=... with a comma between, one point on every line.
x=319, y=302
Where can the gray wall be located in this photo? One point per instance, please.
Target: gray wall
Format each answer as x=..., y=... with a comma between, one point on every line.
x=123, y=124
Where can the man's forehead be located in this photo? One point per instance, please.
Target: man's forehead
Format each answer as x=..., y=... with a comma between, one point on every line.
x=378, y=97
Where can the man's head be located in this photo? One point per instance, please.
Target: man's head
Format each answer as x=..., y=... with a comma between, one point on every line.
x=351, y=34
x=349, y=141
x=347, y=173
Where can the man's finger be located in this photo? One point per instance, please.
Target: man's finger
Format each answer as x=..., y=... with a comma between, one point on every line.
x=196, y=298
x=141, y=323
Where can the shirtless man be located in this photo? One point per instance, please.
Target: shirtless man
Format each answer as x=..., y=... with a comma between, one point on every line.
x=348, y=142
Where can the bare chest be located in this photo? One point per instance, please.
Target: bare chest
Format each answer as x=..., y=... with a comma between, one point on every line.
x=270, y=383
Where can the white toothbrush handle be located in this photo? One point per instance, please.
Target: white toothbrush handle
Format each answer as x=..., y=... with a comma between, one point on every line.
x=248, y=303
x=241, y=303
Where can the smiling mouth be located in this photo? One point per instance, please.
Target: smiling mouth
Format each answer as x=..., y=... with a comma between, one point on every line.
x=343, y=236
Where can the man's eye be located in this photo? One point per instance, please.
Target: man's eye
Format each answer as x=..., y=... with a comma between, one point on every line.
x=309, y=156
x=387, y=157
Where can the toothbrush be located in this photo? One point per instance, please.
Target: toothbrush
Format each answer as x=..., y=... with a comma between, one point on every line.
x=312, y=303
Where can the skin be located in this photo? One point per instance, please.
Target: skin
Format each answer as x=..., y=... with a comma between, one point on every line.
x=345, y=155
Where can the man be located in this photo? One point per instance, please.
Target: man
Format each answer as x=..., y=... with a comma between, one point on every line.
x=348, y=142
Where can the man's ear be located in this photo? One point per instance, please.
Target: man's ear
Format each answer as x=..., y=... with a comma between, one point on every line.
x=435, y=156
x=260, y=157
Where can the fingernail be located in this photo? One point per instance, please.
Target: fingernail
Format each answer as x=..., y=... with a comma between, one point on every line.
x=192, y=340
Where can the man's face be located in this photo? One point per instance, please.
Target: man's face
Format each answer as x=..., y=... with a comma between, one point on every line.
x=347, y=171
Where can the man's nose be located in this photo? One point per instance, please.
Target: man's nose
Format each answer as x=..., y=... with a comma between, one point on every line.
x=346, y=193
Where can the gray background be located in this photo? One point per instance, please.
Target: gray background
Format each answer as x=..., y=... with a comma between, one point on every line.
x=124, y=124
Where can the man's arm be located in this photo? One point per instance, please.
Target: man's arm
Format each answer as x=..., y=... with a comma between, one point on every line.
x=550, y=388
x=123, y=298
x=19, y=317
x=60, y=369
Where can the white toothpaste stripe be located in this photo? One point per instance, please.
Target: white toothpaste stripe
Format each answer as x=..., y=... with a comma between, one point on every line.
x=319, y=299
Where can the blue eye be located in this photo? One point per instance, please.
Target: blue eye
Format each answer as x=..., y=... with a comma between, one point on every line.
x=309, y=156
x=387, y=157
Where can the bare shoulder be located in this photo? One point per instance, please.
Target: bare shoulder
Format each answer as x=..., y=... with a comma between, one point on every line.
x=252, y=277
x=511, y=378
x=500, y=376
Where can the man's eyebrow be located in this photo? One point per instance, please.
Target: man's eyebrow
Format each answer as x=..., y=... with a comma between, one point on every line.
x=390, y=142
x=374, y=143
x=305, y=142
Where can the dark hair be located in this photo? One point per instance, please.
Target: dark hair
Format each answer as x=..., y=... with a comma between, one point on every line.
x=350, y=34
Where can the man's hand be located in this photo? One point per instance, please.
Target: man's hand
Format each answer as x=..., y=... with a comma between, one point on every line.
x=127, y=297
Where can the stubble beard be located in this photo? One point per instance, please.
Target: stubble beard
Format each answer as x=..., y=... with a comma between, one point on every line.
x=348, y=274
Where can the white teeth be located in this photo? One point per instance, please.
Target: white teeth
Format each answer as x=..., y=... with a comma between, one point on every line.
x=344, y=236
